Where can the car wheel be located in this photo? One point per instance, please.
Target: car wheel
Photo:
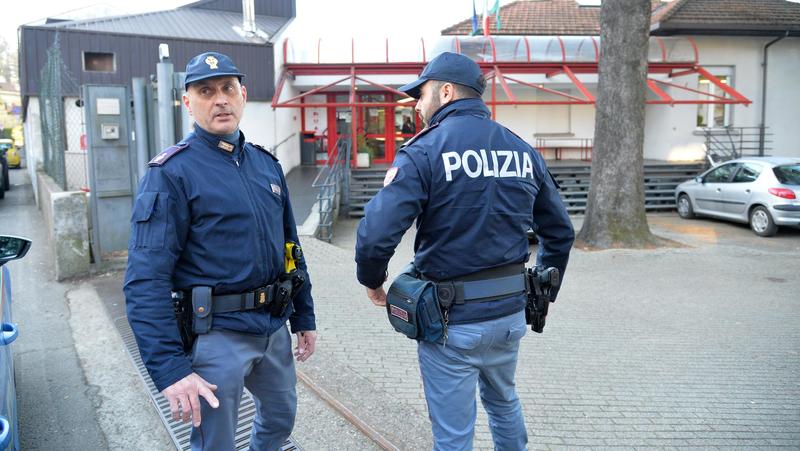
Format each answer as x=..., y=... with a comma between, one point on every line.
x=685, y=209
x=6, y=179
x=761, y=222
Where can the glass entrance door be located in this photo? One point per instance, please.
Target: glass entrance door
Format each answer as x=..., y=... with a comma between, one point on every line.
x=405, y=125
x=340, y=122
x=373, y=135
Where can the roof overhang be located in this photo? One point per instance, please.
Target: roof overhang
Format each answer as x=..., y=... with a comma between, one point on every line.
x=662, y=77
x=561, y=81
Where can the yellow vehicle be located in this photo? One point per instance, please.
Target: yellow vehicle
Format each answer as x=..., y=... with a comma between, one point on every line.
x=11, y=152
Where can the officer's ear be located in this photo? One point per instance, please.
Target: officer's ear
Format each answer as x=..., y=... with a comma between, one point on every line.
x=185, y=99
x=447, y=93
x=244, y=93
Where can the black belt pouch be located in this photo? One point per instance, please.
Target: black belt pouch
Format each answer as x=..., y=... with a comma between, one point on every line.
x=413, y=308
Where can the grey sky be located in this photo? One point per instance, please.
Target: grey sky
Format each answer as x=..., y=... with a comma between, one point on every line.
x=378, y=18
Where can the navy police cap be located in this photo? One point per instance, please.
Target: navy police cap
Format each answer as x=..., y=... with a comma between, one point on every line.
x=452, y=67
x=208, y=65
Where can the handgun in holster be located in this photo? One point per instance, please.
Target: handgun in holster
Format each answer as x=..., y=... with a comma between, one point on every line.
x=291, y=281
x=542, y=285
x=183, y=316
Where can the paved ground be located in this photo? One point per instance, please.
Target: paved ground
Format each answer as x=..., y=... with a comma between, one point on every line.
x=687, y=347
x=694, y=346
x=76, y=388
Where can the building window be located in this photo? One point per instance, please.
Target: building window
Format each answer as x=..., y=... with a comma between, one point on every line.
x=713, y=115
x=99, y=62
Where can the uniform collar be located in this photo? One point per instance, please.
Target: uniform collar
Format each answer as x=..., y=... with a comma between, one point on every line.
x=473, y=106
x=228, y=143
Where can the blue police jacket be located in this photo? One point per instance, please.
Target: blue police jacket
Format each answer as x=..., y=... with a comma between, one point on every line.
x=474, y=188
x=207, y=216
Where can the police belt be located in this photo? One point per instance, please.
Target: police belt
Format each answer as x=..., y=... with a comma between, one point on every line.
x=482, y=286
x=250, y=300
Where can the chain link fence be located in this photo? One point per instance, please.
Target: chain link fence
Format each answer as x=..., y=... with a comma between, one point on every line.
x=61, y=113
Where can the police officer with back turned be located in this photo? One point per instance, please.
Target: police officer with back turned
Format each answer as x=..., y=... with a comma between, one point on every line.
x=474, y=189
x=211, y=227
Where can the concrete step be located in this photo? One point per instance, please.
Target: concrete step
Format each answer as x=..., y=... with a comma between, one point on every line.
x=660, y=181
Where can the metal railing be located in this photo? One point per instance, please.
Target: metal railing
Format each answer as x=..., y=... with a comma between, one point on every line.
x=333, y=182
x=727, y=143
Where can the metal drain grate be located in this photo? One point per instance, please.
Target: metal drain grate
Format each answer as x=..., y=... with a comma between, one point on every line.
x=178, y=430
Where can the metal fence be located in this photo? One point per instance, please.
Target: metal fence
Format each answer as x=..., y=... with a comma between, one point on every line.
x=734, y=142
x=62, y=128
x=329, y=181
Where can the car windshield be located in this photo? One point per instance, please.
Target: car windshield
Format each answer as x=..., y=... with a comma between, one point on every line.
x=4, y=146
x=788, y=174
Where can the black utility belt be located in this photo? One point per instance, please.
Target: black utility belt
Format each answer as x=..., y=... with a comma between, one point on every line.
x=418, y=308
x=251, y=300
x=450, y=293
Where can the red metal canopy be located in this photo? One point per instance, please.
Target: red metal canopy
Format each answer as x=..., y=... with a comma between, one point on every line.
x=518, y=57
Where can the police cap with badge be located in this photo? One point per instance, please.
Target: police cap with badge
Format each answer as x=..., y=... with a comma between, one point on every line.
x=209, y=65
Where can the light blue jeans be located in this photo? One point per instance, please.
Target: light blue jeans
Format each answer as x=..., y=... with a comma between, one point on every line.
x=264, y=365
x=483, y=353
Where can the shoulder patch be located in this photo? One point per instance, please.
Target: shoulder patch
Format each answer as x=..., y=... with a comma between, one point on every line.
x=264, y=150
x=167, y=153
x=422, y=132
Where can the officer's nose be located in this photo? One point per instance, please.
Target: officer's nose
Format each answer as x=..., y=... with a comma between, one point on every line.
x=220, y=99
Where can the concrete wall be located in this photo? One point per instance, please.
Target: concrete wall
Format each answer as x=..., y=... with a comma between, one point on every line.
x=33, y=142
x=66, y=215
x=783, y=96
x=672, y=133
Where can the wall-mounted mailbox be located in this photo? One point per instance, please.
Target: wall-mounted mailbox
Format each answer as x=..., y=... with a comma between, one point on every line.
x=109, y=131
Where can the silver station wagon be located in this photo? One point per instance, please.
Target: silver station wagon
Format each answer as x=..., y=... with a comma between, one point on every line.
x=761, y=191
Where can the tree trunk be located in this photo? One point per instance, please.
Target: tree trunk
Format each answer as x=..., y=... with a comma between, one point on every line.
x=615, y=215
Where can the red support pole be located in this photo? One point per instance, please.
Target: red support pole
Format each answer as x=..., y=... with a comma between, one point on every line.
x=352, y=86
x=658, y=91
x=503, y=84
x=527, y=48
x=694, y=47
x=384, y=87
x=278, y=89
x=730, y=91
x=663, y=49
x=302, y=115
x=494, y=97
x=316, y=90
x=579, y=85
x=548, y=90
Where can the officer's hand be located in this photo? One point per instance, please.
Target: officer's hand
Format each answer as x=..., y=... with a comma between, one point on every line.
x=184, y=397
x=306, y=343
x=377, y=296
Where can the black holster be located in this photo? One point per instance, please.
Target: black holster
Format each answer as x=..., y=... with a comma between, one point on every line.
x=542, y=284
x=285, y=291
x=183, y=317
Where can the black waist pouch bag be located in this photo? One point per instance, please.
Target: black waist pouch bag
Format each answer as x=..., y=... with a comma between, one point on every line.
x=413, y=307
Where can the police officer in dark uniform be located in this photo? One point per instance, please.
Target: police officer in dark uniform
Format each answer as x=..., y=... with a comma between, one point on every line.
x=210, y=224
x=474, y=188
